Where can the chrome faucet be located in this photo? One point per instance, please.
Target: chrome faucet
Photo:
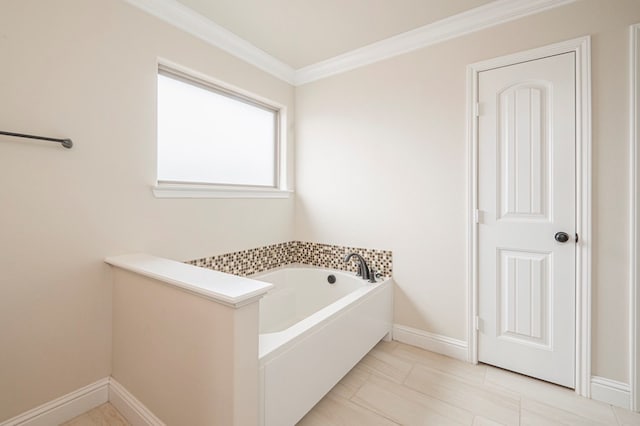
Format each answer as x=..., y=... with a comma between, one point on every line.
x=363, y=268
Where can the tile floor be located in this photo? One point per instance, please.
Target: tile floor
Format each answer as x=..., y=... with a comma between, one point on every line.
x=397, y=384
x=103, y=415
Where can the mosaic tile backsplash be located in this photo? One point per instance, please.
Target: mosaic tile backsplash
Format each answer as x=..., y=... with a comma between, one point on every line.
x=253, y=261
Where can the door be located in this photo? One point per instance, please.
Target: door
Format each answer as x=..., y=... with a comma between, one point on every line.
x=527, y=211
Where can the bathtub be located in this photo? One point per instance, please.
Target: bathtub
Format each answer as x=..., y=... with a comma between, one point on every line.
x=312, y=333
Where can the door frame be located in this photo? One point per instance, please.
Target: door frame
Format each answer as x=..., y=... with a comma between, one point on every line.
x=634, y=273
x=582, y=49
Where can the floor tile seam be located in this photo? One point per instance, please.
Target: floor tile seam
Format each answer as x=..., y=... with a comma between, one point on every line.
x=424, y=363
x=376, y=413
x=456, y=377
x=336, y=394
x=448, y=404
x=381, y=374
x=373, y=355
x=385, y=376
x=440, y=398
x=358, y=387
x=476, y=387
x=615, y=415
x=484, y=375
x=437, y=397
x=404, y=358
x=434, y=365
x=408, y=374
x=492, y=387
x=573, y=413
x=431, y=397
x=381, y=414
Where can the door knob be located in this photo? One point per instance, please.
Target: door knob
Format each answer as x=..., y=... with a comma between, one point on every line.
x=561, y=237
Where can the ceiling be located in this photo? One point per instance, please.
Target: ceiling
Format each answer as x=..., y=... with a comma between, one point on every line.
x=304, y=32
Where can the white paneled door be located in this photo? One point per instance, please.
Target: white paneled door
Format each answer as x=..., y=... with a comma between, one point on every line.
x=527, y=216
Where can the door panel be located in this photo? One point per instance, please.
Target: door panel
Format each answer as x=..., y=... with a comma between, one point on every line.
x=526, y=193
x=523, y=316
x=523, y=181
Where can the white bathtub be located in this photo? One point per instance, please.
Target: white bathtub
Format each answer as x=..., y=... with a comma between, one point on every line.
x=312, y=333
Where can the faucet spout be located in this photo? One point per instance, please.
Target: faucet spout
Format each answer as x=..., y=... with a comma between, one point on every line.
x=363, y=268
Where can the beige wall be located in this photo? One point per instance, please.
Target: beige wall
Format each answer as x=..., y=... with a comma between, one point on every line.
x=383, y=163
x=85, y=69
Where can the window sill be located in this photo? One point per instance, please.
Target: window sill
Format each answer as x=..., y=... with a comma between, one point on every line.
x=200, y=191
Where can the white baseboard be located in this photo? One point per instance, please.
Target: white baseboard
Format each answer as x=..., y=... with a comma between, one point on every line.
x=432, y=342
x=64, y=408
x=84, y=399
x=132, y=409
x=611, y=392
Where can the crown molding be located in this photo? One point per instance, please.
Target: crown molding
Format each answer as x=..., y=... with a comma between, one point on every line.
x=178, y=15
x=489, y=15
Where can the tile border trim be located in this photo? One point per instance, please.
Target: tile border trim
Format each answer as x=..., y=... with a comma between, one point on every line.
x=261, y=259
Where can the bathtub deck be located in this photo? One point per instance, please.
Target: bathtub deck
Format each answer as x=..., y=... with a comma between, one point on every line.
x=397, y=384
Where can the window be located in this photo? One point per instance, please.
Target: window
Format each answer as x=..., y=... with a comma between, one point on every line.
x=209, y=135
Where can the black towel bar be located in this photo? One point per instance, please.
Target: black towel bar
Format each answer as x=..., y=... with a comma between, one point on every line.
x=67, y=143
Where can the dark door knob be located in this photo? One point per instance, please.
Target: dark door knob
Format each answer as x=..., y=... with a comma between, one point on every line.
x=561, y=237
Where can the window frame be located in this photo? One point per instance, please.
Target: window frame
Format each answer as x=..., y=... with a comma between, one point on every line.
x=181, y=189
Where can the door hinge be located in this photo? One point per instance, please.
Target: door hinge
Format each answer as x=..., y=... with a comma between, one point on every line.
x=577, y=238
x=476, y=216
x=476, y=109
x=476, y=323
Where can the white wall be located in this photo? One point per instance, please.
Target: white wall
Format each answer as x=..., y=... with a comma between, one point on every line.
x=86, y=69
x=382, y=157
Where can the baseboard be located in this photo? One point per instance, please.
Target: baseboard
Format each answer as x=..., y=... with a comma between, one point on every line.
x=84, y=399
x=64, y=408
x=611, y=392
x=132, y=409
x=432, y=342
